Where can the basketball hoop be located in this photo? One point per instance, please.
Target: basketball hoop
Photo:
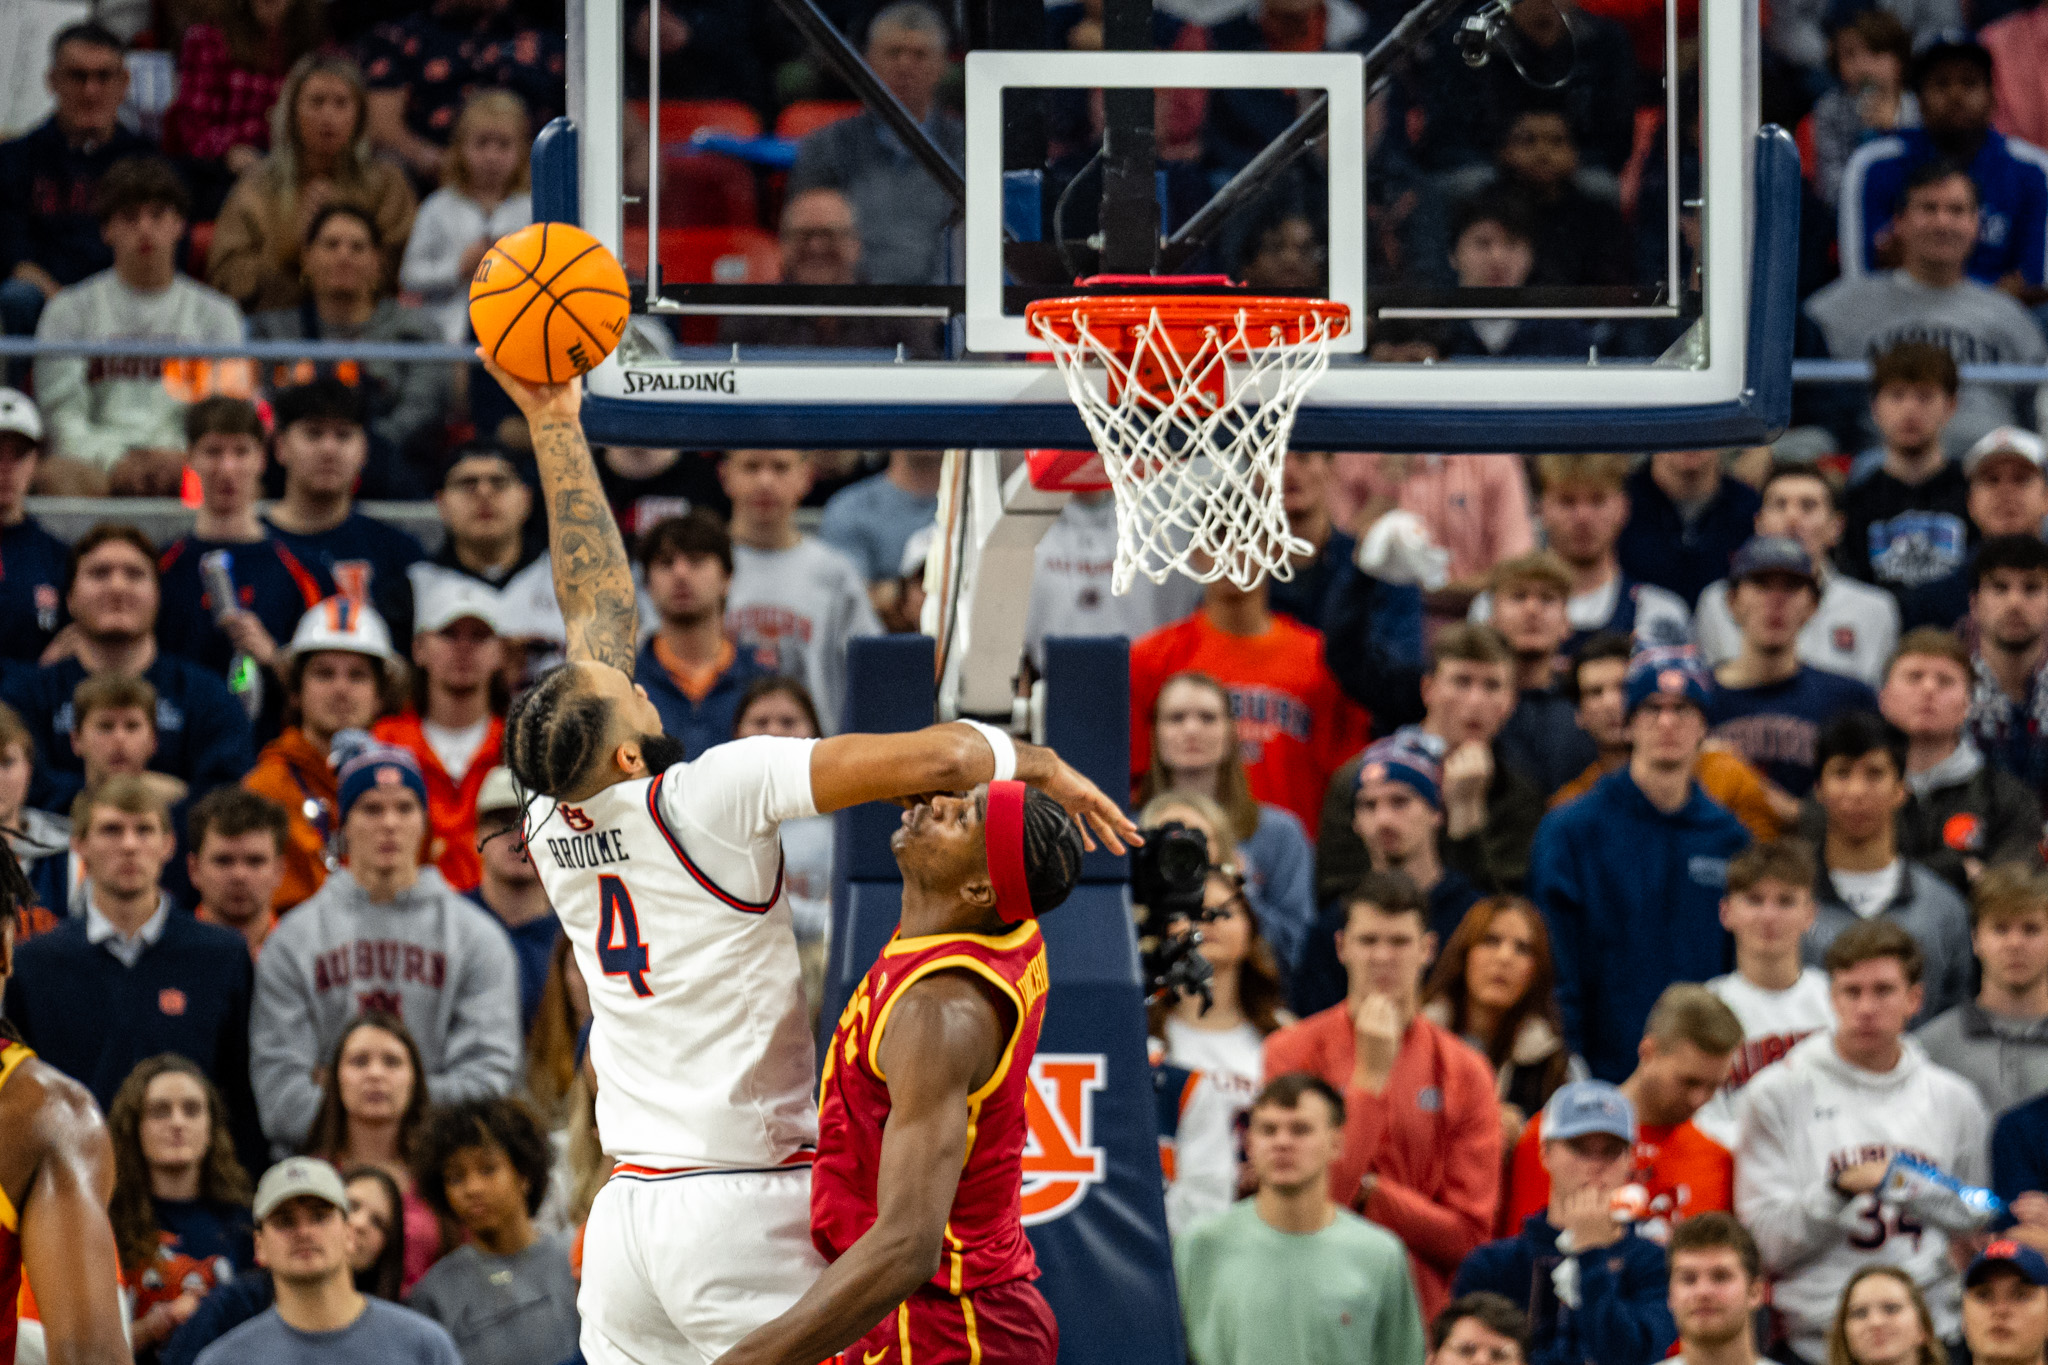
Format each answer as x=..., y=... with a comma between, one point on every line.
x=1190, y=399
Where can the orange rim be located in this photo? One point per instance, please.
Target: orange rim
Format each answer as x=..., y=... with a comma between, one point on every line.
x=1188, y=316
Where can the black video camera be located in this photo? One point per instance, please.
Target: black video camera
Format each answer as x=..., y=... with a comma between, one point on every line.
x=1168, y=873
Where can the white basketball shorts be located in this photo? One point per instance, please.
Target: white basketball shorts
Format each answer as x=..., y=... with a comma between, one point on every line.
x=678, y=1267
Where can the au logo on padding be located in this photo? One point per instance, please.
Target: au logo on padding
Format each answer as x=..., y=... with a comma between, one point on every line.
x=1061, y=1159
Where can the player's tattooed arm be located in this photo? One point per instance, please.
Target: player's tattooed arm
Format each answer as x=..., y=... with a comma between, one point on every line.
x=593, y=579
x=943, y=1041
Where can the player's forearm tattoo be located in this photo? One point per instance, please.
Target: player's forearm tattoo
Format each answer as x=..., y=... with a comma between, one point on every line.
x=592, y=580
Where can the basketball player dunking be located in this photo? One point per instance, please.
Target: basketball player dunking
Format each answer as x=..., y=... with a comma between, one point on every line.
x=914, y=1198
x=56, y=1174
x=667, y=877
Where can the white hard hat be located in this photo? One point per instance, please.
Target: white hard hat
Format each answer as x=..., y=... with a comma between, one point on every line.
x=342, y=625
x=443, y=599
x=18, y=414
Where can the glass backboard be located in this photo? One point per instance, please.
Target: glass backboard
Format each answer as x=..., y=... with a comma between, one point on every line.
x=1580, y=241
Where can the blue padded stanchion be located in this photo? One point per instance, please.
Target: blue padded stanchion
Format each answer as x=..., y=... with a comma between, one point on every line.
x=1092, y=1189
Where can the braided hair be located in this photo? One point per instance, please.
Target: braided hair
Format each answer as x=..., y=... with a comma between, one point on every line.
x=555, y=733
x=17, y=897
x=1052, y=851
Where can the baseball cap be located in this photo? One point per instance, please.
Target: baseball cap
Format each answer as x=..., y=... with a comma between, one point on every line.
x=445, y=598
x=1936, y=48
x=299, y=1177
x=1772, y=554
x=1667, y=670
x=342, y=625
x=497, y=792
x=2006, y=1254
x=1583, y=1107
x=1400, y=758
x=2007, y=441
x=18, y=414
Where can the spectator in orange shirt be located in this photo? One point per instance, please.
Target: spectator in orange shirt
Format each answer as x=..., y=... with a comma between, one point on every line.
x=1422, y=1132
x=1490, y=809
x=1688, y=1045
x=340, y=673
x=455, y=725
x=1594, y=684
x=1294, y=726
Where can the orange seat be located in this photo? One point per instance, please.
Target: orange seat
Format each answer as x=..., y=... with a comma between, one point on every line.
x=805, y=117
x=700, y=190
x=707, y=255
x=712, y=255
x=680, y=119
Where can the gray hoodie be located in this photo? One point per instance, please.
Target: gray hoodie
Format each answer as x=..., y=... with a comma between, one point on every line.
x=431, y=956
x=2005, y=1057
x=1925, y=907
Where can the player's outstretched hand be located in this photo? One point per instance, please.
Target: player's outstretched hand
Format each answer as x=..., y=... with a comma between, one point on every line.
x=1090, y=808
x=536, y=400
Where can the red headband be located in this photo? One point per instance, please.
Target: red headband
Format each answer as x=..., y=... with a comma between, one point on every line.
x=1003, y=833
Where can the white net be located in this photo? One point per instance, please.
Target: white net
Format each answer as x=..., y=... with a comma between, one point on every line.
x=1192, y=422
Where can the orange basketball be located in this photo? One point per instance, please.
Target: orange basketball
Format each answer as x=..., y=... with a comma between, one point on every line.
x=548, y=302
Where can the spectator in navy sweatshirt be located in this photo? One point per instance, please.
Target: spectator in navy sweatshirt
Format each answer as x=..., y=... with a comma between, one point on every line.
x=1766, y=704
x=134, y=976
x=323, y=448
x=1611, y=1305
x=31, y=559
x=273, y=588
x=1686, y=520
x=111, y=588
x=2019, y=1170
x=49, y=237
x=1644, y=836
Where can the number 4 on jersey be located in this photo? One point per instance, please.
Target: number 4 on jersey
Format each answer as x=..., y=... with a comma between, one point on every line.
x=619, y=949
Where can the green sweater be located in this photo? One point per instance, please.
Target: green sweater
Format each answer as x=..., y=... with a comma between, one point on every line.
x=1251, y=1295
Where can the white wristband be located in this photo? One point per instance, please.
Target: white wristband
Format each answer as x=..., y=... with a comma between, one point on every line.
x=1005, y=750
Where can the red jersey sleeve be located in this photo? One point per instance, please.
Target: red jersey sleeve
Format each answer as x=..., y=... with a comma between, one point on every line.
x=1528, y=1188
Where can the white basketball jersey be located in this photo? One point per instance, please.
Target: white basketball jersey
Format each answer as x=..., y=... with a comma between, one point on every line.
x=670, y=889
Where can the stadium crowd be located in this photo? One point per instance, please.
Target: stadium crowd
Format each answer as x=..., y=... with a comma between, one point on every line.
x=1615, y=862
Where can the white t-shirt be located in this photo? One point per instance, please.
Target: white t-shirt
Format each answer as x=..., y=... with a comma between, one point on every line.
x=1868, y=893
x=1232, y=1063
x=1772, y=1023
x=798, y=608
x=1234, y=1058
x=455, y=746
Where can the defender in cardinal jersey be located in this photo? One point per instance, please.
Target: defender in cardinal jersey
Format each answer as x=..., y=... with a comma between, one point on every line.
x=667, y=877
x=56, y=1174
x=922, y=1121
